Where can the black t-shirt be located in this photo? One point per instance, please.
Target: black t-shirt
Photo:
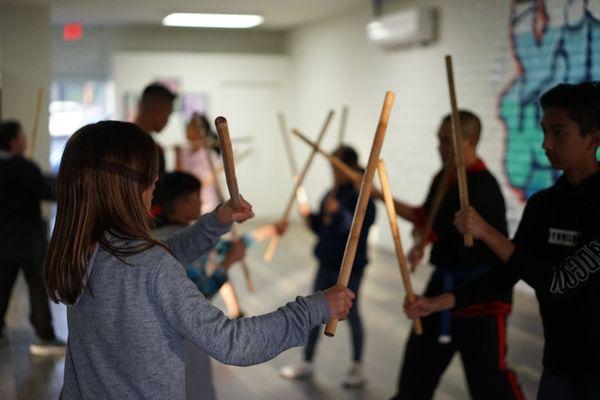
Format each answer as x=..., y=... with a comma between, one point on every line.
x=558, y=254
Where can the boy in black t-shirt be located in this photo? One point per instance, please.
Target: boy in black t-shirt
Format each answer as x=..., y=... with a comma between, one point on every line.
x=556, y=249
x=476, y=332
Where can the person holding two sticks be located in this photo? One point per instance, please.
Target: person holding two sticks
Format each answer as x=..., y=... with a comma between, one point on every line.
x=477, y=332
x=332, y=226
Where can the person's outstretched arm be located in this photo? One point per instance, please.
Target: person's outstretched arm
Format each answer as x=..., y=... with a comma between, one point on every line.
x=245, y=341
x=484, y=288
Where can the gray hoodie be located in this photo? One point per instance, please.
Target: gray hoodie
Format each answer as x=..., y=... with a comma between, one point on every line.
x=127, y=329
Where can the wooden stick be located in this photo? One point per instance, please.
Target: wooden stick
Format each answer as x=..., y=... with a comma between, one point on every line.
x=36, y=121
x=221, y=195
x=393, y=218
x=287, y=144
x=457, y=142
x=301, y=197
x=268, y=256
x=351, y=173
x=228, y=163
x=343, y=122
x=271, y=248
x=434, y=210
x=240, y=157
x=215, y=142
x=363, y=201
x=342, y=166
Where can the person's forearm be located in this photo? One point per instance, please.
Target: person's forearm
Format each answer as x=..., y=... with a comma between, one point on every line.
x=444, y=301
x=499, y=243
x=406, y=212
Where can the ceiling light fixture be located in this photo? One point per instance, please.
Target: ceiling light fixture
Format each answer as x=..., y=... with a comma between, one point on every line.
x=212, y=20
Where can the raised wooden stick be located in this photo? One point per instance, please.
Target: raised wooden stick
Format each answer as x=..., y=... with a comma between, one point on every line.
x=228, y=163
x=343, y=122
x=36, y=121
x=393, y=218
x=355, y=176
x=301, y=192
x=237, y=159
x=221, y=195
x=363, y=202
x=351, y=173
x=268, y=256
x=457, y=142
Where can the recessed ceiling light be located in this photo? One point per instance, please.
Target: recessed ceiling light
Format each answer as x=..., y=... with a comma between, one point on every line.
x=212, y=20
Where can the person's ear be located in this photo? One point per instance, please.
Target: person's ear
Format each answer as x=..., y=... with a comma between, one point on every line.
x=595, y=139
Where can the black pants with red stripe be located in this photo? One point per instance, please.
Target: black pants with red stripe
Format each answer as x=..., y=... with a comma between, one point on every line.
x=481, y=343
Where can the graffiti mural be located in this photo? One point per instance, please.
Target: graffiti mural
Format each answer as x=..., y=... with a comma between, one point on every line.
x=552, y=41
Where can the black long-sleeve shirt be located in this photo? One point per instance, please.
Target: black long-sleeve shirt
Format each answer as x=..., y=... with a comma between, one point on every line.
x=333, y=236
x=22, y=187
x=449, y=251
x=449, y=254
x=558, y=254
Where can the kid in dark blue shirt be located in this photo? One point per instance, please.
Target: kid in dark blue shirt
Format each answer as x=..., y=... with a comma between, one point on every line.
x=332, y=225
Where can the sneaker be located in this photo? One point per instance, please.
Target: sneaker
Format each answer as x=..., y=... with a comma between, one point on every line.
x=52, y=347
x=302, y=370
x=355, y=376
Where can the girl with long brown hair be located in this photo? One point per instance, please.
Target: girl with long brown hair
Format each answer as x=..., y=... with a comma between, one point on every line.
x=129, y=302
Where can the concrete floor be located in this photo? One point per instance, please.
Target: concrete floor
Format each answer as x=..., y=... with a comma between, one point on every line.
x=291, y=272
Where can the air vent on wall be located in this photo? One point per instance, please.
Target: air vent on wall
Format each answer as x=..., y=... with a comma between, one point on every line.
x=402, y=28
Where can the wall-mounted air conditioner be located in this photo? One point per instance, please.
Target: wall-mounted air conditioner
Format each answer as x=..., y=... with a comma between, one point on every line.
x=402, y=28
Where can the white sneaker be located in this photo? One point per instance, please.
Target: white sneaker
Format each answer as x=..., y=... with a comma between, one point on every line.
x=301, y=370
x=54, y=347
x=355, y=376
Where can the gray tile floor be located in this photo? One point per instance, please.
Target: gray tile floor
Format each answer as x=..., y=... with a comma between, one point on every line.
x=291, y=272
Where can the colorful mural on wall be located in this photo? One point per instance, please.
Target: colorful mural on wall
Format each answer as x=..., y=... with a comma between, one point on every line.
x=552, y=41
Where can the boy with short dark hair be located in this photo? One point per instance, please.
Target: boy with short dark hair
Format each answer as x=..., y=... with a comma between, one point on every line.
x=556, y=249
x=179, y=195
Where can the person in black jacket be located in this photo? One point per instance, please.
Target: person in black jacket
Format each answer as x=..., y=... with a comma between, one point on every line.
x=476, y=332
x=332, y=226
x=23, y=235
x=556, y=248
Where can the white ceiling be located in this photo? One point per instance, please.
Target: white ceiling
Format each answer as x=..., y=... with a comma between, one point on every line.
x=278, y=14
